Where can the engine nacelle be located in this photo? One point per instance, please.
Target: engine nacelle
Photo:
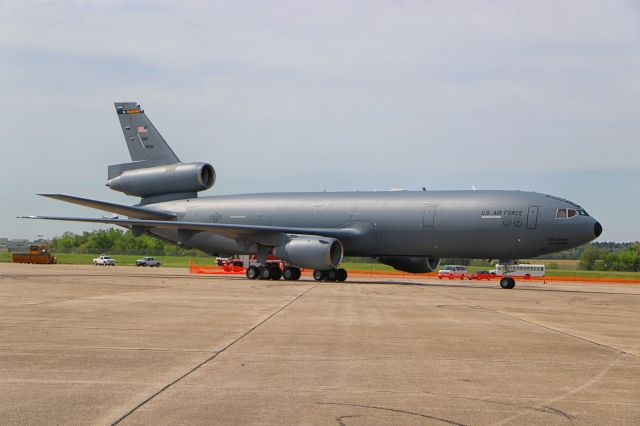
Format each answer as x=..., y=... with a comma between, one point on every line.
x=169, y=179
x=309, y=251
x=414, y=265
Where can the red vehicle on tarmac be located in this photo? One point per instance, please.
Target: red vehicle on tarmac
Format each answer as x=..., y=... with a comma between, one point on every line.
x=482, y=275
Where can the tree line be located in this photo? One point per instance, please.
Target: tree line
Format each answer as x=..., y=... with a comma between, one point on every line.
x=115, y=240
x=599, y=257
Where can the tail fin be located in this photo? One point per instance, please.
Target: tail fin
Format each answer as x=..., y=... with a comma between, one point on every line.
x=144, y=141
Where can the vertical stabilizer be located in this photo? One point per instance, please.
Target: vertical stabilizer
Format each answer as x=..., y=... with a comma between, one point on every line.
x=144, y=141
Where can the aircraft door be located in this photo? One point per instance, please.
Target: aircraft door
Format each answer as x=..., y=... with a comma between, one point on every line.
x=532, y=217
x=429, y=217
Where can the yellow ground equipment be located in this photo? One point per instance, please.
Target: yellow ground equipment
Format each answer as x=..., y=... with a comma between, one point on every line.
x=38, y=253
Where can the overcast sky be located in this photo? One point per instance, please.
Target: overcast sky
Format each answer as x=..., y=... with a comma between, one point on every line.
x=325, y=95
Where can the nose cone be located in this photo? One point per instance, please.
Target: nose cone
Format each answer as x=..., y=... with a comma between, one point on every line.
x=597, y=229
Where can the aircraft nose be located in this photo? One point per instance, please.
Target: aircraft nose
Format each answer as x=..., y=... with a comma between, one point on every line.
x=597, y=229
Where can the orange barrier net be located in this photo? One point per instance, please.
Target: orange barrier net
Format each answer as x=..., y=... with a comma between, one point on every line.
x=372, y=273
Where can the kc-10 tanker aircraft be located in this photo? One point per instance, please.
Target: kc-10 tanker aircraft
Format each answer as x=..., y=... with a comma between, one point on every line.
x=409, y=230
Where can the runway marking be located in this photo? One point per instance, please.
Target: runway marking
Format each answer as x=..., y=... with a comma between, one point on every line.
x=212, y=357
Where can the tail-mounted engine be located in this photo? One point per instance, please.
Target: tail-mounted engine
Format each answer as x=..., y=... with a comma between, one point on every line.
x=182, y=180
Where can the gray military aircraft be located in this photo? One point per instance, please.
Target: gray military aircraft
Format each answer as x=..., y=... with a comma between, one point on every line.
x=409, y=230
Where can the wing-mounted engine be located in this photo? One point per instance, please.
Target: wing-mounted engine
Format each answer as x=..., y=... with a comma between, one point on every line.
x=310, y=251
x=182, y=180
x=414, y=265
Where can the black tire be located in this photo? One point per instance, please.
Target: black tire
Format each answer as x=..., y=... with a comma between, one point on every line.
x=276, y=273
x=266, y=273
x=507, y=283
x=289, y=274
x=332, y=275
x=298, y=274
x=252, y=272
x=318, y=275
x=342, y=275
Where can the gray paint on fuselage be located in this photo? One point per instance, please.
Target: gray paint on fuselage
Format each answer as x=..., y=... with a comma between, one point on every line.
x=470, y=224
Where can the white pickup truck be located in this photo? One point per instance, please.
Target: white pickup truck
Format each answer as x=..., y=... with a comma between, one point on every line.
x=104, y=261
x=148, y=261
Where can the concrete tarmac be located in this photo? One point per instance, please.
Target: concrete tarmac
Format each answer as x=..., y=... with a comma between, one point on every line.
x=102, y=345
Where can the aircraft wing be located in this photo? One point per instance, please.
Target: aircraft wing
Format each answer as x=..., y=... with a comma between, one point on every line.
x=228, y=230
x=131, y=211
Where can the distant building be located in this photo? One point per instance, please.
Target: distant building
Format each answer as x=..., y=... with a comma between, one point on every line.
x=18, y=245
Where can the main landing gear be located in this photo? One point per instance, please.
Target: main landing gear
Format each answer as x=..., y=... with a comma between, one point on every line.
x=272, y=271
x=330, y=275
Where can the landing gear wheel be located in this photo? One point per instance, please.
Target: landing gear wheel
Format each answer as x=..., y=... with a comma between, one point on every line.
x=276, y=273
x=507, y=283
x=298, y=274
x=266, y=273
x=318, y=275
x=289, y=274
x=332, y=275
x=342, y=275
x=252, y=272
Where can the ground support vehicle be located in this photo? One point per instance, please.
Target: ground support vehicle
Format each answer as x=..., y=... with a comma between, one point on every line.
x=104, y=261
x=453, y=272
x=482, y=275
x=148, y=261
x=38, y=253
x=524, y=270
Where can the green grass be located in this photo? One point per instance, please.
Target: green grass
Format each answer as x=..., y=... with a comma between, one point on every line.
x=125, y=259
x=183, y=262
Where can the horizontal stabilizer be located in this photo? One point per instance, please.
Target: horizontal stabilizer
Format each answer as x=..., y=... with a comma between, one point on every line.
x=228, y=230
x=131, y=211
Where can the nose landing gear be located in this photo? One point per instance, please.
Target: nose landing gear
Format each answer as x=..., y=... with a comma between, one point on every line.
x=507, y=283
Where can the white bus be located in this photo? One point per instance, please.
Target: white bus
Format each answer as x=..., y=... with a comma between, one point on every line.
x=525, y=270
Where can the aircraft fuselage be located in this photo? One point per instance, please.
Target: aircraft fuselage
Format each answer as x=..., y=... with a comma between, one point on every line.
x=466, y=224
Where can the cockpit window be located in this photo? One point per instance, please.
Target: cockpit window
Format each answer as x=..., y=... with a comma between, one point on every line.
x=568, y=213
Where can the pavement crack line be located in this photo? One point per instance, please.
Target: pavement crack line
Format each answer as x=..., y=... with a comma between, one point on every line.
x=211, y=358
x=546, y=327
x=547, y=404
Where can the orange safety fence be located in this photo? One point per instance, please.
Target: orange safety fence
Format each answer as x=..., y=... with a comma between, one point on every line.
x=372, y=273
